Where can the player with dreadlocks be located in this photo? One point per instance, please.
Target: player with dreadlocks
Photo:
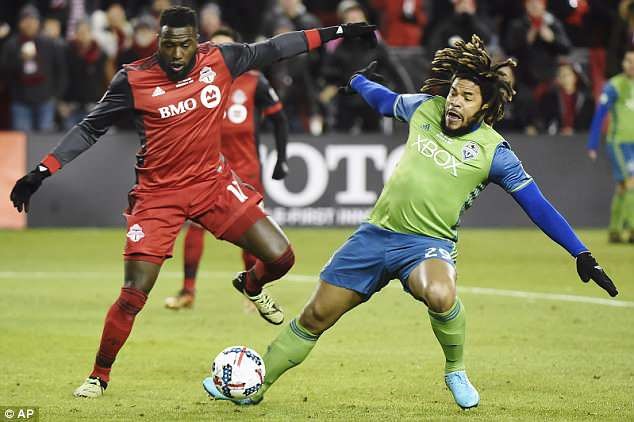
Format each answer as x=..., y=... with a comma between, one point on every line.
x=451, y=154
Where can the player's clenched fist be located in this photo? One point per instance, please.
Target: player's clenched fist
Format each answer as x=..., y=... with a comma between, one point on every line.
x=588, y=268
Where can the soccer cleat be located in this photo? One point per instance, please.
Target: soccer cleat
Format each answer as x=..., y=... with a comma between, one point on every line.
x=465, y=394
x=214, y=393
x=264, y=303
x=91, y=388
x=183, y=299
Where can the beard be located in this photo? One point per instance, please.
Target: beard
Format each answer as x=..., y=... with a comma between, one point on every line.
x=461, y=131
x=181, y=74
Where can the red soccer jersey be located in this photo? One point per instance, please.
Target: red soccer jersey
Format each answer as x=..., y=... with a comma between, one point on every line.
x=250, y=96
x=178, y=123
x=181, y=120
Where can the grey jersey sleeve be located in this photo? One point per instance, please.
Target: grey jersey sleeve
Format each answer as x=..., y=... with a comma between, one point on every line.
x=243, y=57
x=116, y=103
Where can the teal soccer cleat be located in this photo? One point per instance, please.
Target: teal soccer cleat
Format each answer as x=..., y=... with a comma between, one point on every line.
x=210, y=388
x=465, y=394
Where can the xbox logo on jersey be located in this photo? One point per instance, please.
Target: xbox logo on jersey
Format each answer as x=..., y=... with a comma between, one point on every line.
x=210, y=97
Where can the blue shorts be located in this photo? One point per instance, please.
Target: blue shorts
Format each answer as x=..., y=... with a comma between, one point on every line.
x=622, y=159
x=373, y=256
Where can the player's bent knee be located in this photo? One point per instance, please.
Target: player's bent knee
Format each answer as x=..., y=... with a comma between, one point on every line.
x=629, y=183
x=440, y=296
x=140, y=275
x=282, y=264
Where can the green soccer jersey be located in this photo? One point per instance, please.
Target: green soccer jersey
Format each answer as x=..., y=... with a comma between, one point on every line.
x=620, y=94
x=438, y=176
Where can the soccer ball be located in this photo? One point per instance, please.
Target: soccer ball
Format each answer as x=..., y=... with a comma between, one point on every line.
x=238, y=372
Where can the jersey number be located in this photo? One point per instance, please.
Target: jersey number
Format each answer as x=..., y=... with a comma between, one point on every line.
x=234, y=188
x=437, y=252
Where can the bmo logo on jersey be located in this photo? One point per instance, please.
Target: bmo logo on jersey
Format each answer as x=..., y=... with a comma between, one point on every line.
x=210, y=97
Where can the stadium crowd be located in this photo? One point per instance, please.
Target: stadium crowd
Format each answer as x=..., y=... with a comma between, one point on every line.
x=56, y=56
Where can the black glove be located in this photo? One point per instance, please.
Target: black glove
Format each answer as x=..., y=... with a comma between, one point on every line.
x=281, y=170
x=588, y=268
x=368, y=72
x=350, y=30
x=26, y=186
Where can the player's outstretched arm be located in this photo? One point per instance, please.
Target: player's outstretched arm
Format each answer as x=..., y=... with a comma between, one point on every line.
x=267, y=100
x=367, y=83
x=508, y=173
x=243, y=57
x=115, y=102
x=280, y=133
x=606, y=101
x=551, y=222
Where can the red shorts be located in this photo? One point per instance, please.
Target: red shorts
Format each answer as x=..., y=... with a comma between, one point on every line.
x=224, y=206
x=249, y=173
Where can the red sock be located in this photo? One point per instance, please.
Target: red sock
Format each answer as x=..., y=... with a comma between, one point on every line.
x=194, y=243
x=248, y=259
x=265, y=272
x=116, y=329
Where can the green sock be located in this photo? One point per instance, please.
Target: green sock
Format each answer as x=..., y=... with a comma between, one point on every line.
x=617, y=220
x=449, y=328
x=628, y=208
x=289, y=349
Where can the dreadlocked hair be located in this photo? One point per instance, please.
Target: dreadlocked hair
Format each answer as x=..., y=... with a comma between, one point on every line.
x=472, y=61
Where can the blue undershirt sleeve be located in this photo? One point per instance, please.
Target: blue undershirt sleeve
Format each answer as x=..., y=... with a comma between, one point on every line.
x=376, y=95
x=606, y=101
x=385, y=101
x=548, y=219
x=507, y=172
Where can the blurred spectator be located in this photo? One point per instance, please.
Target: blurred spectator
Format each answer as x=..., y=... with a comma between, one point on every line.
x=36, y=67
x=402, y=22
x=297, y=89
x=295, y=79
x=568, y=106
x=144, y=41
x=5, y=121
x=291, y=10
x=157, y=8
x=210, y=20
x=621, y=37
x=52, y=28
x=113, y=34
x=86, y=68
x=520, y=115
x=459, y=26
x=343, y=58
x=536, y=39
x=111, y=29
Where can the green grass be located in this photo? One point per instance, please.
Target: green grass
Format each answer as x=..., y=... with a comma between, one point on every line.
x=531, y=359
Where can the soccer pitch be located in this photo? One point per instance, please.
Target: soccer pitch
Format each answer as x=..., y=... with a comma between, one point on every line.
x=540, y=346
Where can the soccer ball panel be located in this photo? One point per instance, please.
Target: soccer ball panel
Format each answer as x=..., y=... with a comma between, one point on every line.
x=238, y=372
